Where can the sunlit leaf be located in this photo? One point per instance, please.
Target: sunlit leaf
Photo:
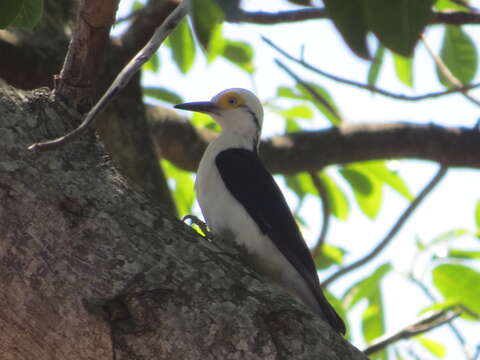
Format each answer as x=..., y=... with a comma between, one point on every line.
x=29, y=15
x=330, y=255
x=301, y=184
x=9, y=9
x=398, y=24
x=162, y=94
x=444, y=305
x=183, y=192
x=477, y=217
x=366, y=287
x=204, y=121
x=207, y=18
x=339, y=205
x=153, y=64
x=380, y=170
x=375, y=66
x=464, y=254
x=459, y=54
x=434, y=347
x=348, y=17
x=292, y=126
x=367, y=189
x=289, y=93
x=448, y=236
x=240, y=53
x=373, y=321
x=299, y=111
x=460, y=283
x=404, y=69
x=182, y=46
x=450, y=5
x=323, y=101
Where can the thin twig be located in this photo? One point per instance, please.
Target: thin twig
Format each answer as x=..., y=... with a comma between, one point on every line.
x=443, y=68
x=323, y=195
x=422, y=325
x=366, y=86
x=318, y=97
x=259, y=17
x=393, y=231
x=122, y=78
x=452, y=327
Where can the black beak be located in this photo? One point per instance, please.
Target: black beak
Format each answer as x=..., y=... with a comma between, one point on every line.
x=207, y=107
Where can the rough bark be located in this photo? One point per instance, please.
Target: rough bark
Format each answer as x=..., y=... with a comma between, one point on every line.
x=92, y=269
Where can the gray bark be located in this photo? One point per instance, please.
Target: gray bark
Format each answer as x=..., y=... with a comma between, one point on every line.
x=92, y=269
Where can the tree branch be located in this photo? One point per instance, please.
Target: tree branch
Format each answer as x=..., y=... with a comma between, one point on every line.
x=266, y=18
x=121, y=80
x=371, y=88
x=422, y=325
x=179, y=142
x=77, y=79
x=393, y=231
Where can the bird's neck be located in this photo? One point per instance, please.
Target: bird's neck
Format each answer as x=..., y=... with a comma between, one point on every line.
x=229, y=139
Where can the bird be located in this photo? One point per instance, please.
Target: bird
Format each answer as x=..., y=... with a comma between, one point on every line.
x=240, y=199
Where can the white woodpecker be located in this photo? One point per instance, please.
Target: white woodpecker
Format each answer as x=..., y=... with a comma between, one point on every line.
x=240, y=199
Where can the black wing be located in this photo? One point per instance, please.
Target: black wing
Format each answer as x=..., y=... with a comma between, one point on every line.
x=254, y=187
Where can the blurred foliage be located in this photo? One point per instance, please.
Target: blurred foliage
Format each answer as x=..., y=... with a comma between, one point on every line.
x=20, y=13
x=444, y=268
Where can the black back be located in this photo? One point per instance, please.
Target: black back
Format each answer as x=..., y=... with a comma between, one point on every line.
x=254, y=187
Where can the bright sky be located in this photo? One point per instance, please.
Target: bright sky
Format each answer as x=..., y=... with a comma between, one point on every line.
x=450, y=206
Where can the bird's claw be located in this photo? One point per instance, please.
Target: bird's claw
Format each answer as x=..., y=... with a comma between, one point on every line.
x=196, y=221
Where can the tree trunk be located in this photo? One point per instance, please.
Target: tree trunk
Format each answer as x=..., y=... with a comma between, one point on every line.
x=91, y=269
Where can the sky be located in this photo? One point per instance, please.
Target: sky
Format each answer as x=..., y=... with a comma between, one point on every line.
x=450, y=206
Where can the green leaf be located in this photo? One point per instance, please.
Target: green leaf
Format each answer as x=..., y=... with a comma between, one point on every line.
x=367, y=189
x=292, y=126
x=240, y=53
x=348, y=17
x=301, y=184
x=324, y=102
x=464, y=254
x=207, y=18
x=404, y=69
x=289, y=93
x=448, y=236
x=330, y=255
x=442, y=5
x=373, y=320
x=477, y=218
x=162, y=94
x=299, y=111
x=153, y=64
x=204, y=121
x=445, y=305
x=398, y=24
x=9, y=9
x=380, y=170
x=183, y=192
x=29, y=15
x=339, y=205
x=459, y=54
x=182, y=46
x=434, y=347
x=460, y=283
x=366, y=287
x=374, y=69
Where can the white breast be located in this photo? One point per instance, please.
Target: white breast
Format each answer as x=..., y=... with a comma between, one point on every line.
x=226, y=217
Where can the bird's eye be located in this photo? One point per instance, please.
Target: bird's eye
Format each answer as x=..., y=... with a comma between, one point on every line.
x=232, y=101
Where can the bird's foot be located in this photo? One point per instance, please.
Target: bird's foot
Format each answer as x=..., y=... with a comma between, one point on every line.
x=202, y=226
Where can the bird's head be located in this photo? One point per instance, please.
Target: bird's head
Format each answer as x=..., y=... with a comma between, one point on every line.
x=236, y=110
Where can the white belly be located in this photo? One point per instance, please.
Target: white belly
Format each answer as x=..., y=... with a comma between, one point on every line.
x=226, y=217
